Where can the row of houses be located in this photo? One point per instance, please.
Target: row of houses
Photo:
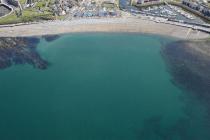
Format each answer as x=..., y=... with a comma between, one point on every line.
x=200, y=7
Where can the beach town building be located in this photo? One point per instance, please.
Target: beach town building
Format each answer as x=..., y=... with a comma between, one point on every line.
x=141, y=2
x=110, y=4
x=146, y=1
x=197, y=6
x=63, y=7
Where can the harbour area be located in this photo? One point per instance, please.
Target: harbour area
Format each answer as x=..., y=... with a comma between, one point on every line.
x=172, y=13
x=179, y=13
x=175, y=15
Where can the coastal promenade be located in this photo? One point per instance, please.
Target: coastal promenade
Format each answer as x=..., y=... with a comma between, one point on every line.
x=126, y=24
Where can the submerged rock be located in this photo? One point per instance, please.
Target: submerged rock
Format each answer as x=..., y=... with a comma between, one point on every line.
x=19, y=50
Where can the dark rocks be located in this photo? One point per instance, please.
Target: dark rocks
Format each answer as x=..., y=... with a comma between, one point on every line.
x=14, y=51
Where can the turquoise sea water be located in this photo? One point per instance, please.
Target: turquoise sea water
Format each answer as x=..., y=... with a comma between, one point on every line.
x=98, y=87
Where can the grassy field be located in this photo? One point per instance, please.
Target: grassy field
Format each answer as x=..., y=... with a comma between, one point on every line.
x=27, y=16
x=39, y=12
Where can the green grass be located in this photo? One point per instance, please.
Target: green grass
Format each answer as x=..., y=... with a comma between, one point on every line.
x=41, y=4
x=22, y=1
x=9, y=19
x=28, y=15
x=177, y=0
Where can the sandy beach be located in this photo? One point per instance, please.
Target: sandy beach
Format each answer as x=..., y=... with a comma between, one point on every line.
x=128, y=24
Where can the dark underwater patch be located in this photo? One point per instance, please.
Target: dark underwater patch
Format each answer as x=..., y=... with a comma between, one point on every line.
x=183, y=129
x=189, y=64
x=153, y=128
x=50, y=38
x=18, y=50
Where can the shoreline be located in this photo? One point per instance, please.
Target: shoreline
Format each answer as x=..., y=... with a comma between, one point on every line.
x=126, y=24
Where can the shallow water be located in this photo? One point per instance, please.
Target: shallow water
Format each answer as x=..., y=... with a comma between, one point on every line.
x=98, y=86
